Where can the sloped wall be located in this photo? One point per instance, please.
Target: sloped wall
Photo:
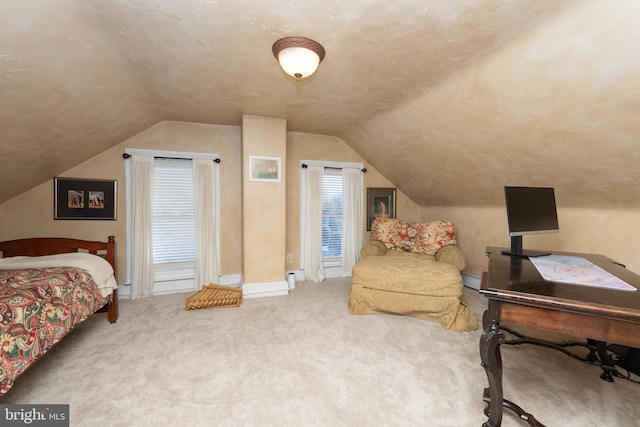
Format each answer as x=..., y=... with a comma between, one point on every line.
x=610, y=232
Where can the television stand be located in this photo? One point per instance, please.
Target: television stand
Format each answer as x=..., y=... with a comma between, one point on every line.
x=516, y=249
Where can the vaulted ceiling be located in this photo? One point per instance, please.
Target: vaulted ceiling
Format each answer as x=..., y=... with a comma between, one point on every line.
x=449, y=99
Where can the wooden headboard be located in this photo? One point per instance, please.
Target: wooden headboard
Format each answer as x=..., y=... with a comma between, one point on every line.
x=39, y=246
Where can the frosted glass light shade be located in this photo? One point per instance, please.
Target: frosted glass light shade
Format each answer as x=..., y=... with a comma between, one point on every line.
x=298, y=56
x=298, y=62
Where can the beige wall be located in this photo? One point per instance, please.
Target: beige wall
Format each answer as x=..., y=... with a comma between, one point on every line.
x=263, y=203
x=612, y=233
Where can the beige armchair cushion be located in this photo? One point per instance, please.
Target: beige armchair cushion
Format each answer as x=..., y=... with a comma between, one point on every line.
x=413, y=285
x=374, y=248
x=451, y=254
x=409, y=273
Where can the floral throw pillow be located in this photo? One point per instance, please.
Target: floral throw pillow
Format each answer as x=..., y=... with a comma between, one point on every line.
x=420, y=238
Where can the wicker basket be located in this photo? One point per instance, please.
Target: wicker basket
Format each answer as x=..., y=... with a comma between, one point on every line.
x=215, y=296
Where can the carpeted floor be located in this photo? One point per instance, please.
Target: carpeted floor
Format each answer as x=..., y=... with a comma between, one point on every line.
x=302, y=360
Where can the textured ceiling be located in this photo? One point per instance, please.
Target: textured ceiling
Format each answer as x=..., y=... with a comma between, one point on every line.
x=449, y=99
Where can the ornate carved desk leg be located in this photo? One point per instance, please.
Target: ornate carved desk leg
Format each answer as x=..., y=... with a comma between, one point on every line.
x=490, y=341
x=492, y=363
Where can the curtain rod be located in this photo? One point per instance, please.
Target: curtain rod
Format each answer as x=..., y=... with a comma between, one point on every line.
x=127, y=155
x=304, y=166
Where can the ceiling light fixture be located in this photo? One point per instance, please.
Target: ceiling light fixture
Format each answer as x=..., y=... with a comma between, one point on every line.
x=298, y=56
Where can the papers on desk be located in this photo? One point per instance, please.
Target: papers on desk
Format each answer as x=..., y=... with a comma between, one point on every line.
x=577, y=271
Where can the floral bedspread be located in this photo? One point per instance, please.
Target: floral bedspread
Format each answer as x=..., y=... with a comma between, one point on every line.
x=38, y=307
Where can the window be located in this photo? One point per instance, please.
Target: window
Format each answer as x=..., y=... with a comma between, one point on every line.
x=169, y=233
x=174, y=220
x=332, y=214
x=324, y=237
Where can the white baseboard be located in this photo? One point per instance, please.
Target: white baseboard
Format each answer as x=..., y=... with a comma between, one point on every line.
x=124, y=291
x=265, y=289
x=173, y=287
x=234, y=280
x=269, y=289
x=329, y=273
x=470, y=281
x=332, y=272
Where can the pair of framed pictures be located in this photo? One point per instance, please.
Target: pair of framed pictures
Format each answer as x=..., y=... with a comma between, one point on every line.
x=84, y=198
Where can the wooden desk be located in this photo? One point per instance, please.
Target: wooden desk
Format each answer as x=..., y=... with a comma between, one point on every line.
x=518, y=294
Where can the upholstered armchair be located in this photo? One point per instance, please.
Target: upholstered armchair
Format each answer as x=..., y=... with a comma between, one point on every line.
x=412, y=269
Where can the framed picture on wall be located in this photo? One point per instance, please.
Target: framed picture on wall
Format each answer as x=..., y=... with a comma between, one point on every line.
x=381, y=202
x=75, y=198
x=265, y=169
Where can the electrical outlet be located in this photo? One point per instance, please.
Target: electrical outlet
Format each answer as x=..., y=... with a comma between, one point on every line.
x=289, y=258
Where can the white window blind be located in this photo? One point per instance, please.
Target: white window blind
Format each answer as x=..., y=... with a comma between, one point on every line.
x=174, y=222
x=332, y=213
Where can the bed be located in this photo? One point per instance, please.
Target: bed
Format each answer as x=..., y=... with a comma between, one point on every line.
x=47, y=287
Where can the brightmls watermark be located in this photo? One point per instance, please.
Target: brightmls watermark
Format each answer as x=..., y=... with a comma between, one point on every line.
x=34, y=415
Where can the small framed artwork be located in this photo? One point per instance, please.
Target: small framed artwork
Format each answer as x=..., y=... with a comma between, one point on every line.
x=265, y=169
x=381, y=202
x=75, y=198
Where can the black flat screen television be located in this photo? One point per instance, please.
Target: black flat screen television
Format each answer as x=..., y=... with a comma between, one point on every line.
x=530, y=210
